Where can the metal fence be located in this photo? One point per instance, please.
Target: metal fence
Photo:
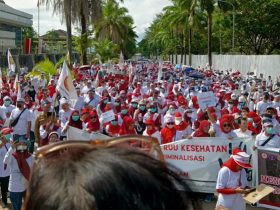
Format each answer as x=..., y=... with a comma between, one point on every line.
x=30, y=60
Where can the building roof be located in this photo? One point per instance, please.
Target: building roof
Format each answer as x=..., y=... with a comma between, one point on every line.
x=11, y=16
x=61, y=35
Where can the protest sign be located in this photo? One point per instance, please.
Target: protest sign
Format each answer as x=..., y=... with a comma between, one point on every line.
x=78, y=134
x=107, y=116
x=200, y=159
x=269, y=174
x=206, y=99
x=260, y=192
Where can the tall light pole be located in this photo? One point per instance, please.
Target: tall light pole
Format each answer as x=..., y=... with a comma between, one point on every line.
x=233, y=21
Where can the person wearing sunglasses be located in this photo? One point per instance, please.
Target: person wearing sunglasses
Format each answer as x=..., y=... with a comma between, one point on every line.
x=168, y=133
x=93, y=125
x=20, y=161
x=226, y=128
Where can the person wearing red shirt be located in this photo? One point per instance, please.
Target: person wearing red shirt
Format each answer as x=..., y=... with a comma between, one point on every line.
x=168, y=133
x=51, y=88
x=203, y=130
x=127, y=127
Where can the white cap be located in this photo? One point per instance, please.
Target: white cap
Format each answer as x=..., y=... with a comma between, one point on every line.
x=63, y=101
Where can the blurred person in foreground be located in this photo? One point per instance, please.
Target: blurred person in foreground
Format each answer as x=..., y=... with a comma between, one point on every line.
x=104, y=178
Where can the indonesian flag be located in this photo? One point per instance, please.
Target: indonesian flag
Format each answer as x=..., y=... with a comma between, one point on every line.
x=11, y=62
x=65, y=85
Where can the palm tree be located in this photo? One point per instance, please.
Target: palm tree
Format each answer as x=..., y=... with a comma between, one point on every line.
x=76, y=11
x=208, y=6
x=64, y=8
x=46, y=67
x=205, y=5
x=85, y=12
x=116, y=25
x=177, y=16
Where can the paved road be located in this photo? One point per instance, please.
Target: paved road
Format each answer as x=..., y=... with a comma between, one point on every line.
x=206, y=206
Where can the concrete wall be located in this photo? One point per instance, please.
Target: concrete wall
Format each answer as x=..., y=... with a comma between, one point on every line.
x=266, y=64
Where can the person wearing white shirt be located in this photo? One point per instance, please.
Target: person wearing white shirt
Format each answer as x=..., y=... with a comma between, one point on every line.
x=79, y=104
x=4, y=170
x=7, y=107
x=276, y=101
x=263, y=104
x=243, y=131
x=267, y=138
x=87, y=87
x=232, y=181
x=92, y=100
x=19, y=176
x=42, y=81
x=100, y=89
x=64, y=115
x=152, y=131
x=23, y=125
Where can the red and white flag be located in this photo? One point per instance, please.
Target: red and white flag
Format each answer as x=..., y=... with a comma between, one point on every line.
x=11, y=62
x=65, y=84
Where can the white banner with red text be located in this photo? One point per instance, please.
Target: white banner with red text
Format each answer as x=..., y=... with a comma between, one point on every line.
x=200, y=159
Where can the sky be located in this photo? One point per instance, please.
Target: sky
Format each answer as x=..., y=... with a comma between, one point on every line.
x=142, y=11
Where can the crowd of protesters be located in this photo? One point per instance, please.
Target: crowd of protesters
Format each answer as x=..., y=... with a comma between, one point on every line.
x=158, y=100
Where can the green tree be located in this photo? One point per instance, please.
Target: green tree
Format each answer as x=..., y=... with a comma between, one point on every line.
x=63, y=8
x=116, y=25
x=86, y=12
x=258, y=26
x=46, y=67
x=29, y=32
x=106, y=49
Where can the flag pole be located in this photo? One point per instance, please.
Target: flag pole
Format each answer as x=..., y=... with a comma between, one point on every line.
x=38, y=6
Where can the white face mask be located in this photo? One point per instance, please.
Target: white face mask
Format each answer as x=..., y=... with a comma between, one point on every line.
x=22, y=148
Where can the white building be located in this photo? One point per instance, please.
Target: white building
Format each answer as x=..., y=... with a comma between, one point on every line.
x=11, y=23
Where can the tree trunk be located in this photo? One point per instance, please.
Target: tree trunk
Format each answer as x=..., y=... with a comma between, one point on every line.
x=185, y=47
x=182, y=48
x=67, y=14
x=69, y=37
x=190, y=46
x=84, y=36
x=210, y=39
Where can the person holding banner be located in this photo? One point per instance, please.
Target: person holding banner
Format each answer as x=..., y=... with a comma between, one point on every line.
x=268, y=138
x=168, y=133
x=203, y=130
x=232, y=181
x=151, y=130
x=226, y=129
